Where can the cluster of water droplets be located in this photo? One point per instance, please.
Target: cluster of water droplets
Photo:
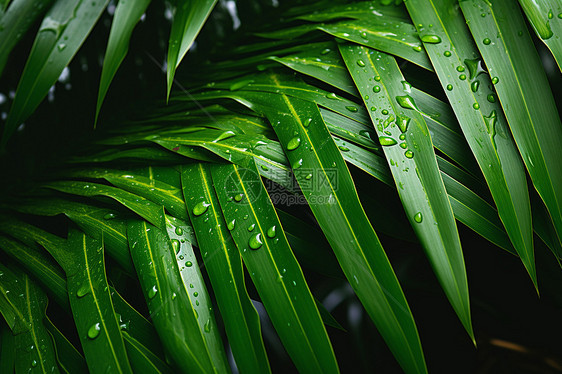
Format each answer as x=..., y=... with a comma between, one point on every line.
x=256, y=239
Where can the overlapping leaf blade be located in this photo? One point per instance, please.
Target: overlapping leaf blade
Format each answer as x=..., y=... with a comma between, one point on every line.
x=260, y=239
x=458, y=66
x=15, y=22
x=92, y=308
x=171, y=308
x=225, y=269
x=414, y=168
x=545, y=17
x=63, y=30
x=34, y=350
x=342, y=219
x=525, y=94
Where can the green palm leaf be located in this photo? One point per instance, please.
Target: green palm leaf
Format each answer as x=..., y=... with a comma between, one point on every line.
x=453, y=54
x=524, y=89
x=414, y=168
x=127, y=15
x=63, y=30
x=26, y=305
x=546, y=18
x=173, y=311
x=225, y=269
x=189, y=17
x=258, y=234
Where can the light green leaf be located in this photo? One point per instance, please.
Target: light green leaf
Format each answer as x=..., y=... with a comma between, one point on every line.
x=127, y=14
x=65, y=27
x=189, y=18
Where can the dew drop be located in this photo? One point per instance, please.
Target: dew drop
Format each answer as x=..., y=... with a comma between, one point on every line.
x=377, y=78
x=474, y=86
x=325, y=51
x=189, y=264
x=240, y=84
x=432, y=39
x=476, y=106
x=179, y=231
x=491, y=98
x=417, y=48
x=486, y=41
x=418, y=217
x=230, y=225
x=33, y=363
x=224, y=135
x=152, y=292
x=409, y=154
x=332, y=96
x=297, y=164
x=109, y=216
x=387, y=140
x=252, y=227
x=255, y=241
x=360, y=63
x=238, y=197
x=207, y=326
x=61, y=46
x=352, y=109
x=376, y=89
x=343, y=148
x=450, y=87
x=495, y=80
x=447, y=53
x=460, y=68
x=462, y=77
x=403, y=123
x=403, y=145
x=402, y=137
x=490, y=122
x=293, y=143
x=83, y=290
x=195, y=294
x=175, y=245
x=271, y=232
x=406, y=102
x=307, y=122
x=94, y=331
x=474, y=67
x=200, y=208
x=384, y=111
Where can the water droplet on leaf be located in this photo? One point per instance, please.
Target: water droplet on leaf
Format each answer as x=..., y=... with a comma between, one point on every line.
x=200, y=208
x=94, y=331
x=387, y=140
x=432, y=39
x=293, y=143
x=255, y=241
